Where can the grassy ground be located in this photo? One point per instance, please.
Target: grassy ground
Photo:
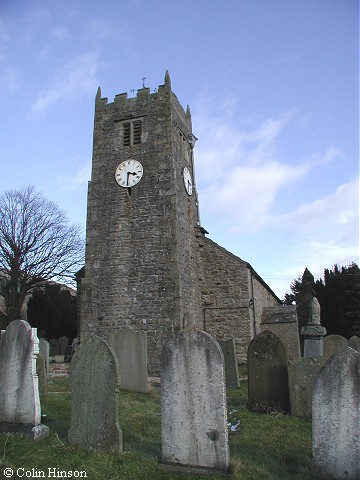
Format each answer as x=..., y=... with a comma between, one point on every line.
x=266, y=447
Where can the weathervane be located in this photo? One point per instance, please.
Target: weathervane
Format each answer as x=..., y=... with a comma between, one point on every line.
x=132, y=90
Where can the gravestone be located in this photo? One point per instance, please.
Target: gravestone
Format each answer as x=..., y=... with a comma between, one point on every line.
x=42, y=375
x=334, y=344
x=44, y=350
x=313, y=333
x=94, y=406
x=231, y=367
x=282, y=321
x=302, y=376
x=55, y=347
x=268, y=387
x=130, y=348
x=20, y=410
x=64, y=342
x=354, y=343
x=336, y=418
x=193, y=402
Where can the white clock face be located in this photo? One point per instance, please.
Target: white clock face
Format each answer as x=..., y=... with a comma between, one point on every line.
x=187, y=181
x=129, y=173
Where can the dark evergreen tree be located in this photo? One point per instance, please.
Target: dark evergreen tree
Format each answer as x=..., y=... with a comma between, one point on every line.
x=338, y=295
x=53, y=311
x=302, y=291
x=340, y=300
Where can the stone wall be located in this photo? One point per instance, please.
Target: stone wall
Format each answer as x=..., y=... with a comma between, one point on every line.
x=233, y=296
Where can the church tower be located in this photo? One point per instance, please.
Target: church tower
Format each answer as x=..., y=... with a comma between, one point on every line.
x=142, y=256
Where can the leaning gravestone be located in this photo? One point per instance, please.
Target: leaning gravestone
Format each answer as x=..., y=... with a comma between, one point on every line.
x=334, y=344
x=336, y=418
x=20, y=410
x=130, y=348
x=302, y=376
x=193, y=402
x=231, y=366
x=268, y=387
x=354, y=343
x=94, y=406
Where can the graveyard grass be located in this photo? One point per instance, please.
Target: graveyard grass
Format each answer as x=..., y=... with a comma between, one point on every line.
x=270, y=446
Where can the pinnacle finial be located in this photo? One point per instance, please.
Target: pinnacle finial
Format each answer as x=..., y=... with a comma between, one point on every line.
x=167, y=80
x=98, y=98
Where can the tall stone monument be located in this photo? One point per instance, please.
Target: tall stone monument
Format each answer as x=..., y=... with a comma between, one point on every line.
x=20, y=409
x=313, y=333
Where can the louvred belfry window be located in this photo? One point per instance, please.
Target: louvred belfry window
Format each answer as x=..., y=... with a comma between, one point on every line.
x=132, y=133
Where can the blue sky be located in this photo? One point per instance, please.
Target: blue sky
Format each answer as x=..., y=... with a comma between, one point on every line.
x=273, y=90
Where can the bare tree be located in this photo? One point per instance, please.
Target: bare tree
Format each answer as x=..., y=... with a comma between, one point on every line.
x=37, y=244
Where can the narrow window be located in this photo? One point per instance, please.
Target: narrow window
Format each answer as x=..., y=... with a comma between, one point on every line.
x=136, y=131
x=127, y=133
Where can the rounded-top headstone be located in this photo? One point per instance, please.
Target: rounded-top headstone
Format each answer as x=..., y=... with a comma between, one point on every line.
x=336, y=418
x=268, y=387
x=19, y=391
x=94, y=387
x=193, y=402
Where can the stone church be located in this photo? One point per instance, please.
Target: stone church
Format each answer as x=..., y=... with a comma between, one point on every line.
x=149, y=264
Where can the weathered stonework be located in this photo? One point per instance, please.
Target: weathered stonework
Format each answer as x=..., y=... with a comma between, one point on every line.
x=282, y=320
x=141, y=256
x=233, y=296
x=148, y=263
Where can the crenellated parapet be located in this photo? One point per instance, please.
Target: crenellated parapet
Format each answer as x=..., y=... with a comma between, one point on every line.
x=142, y=94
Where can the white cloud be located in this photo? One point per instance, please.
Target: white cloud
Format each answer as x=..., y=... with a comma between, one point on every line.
x=326, y=230
x=73, y=79
x=243, y=179
x=319, y=234
x=80, y=178
x=60, y=33
x=238, y=172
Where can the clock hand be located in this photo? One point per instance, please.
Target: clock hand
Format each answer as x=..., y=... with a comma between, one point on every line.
x=127, y=176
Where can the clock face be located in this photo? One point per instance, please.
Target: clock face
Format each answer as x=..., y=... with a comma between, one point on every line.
x=187, y=181
x=129, y=173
